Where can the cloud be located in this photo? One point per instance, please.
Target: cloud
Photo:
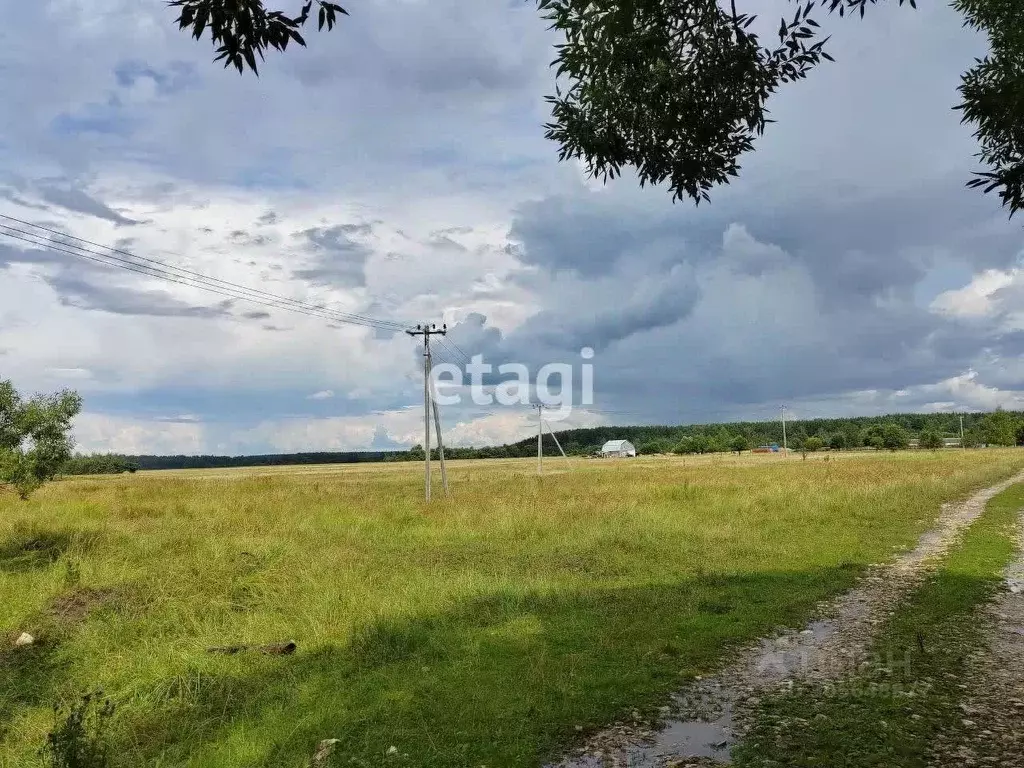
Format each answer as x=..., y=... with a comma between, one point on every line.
x=98, y=432
x=338, y=258
x=976, y=299
x=323, y=394
x=83, y=293
x=74, y=199
x=846, y=270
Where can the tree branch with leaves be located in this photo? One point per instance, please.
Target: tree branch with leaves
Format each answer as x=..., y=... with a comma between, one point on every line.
x=245, y=29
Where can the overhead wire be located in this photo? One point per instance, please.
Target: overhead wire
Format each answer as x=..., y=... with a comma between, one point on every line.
x=459, y=349
x=450, y=348
x=184, y=272
x=182, y=276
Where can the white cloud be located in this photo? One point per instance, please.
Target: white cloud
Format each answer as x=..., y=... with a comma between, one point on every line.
x=323, y=394
x=976, y=298
x=98, y=432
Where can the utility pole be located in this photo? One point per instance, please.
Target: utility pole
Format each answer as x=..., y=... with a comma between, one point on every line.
x=785, y=445
x=540, y=437
x=426, y=330
x=540, y=431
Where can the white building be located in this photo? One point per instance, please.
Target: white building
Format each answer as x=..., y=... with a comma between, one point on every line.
x=618, y=448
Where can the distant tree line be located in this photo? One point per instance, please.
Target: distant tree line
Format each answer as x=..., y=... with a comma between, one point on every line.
x=99, y=464
x=115, y=464
x=894, y=432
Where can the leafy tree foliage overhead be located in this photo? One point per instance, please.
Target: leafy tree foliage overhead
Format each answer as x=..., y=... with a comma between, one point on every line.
x=677, y=89
x=35, y=437
x=245, y=29
x=993, y=97
x=674, y=88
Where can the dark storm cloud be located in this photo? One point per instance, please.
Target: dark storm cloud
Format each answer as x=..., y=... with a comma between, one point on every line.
x=806, y=299
x=588, y=235
x=857, y=248
x=338, y=258
x=573, y=324
x=74, y=199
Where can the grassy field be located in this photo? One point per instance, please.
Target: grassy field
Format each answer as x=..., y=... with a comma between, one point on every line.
x=893, y=711
x=488, y=630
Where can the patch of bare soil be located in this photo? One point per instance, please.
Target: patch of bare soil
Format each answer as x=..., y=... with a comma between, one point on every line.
x=68, y=610
x=702, y=722
x=75, y=606
x=991, y=732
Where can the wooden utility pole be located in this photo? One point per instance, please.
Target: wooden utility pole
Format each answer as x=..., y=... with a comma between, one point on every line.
x=426, y=330
x=540, y=431
x=540, y=437
x=785, y=445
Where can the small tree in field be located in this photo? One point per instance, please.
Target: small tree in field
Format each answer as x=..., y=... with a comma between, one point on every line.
x=931, y=440
x=894, y=437
x=999, y=428
x=837, y=442
x=35, y=437
x=740, y=444
x=812, y=444
x=972, y=438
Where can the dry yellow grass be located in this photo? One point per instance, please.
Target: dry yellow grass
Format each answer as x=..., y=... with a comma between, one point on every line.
x=479, y=630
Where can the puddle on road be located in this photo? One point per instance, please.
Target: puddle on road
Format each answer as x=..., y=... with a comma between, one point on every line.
x=705, y=729
x=709, y=737
x=783, y=656
x=687, y=738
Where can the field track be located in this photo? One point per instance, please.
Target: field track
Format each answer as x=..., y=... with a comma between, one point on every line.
x=832, y=645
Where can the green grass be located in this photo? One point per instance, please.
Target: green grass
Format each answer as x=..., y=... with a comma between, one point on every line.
x=891, y=712
x=478, y=631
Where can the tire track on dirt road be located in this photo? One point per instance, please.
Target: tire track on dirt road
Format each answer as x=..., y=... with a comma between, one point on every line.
x=701, y=722
x=991, y=732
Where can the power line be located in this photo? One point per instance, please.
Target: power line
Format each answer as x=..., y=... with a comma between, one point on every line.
x=459, y=350
x=312, y=312
x=453, y=350
x=161, y=265
x=186, y=277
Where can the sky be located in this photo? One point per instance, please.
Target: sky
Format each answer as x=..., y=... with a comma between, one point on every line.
x=397, y=169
